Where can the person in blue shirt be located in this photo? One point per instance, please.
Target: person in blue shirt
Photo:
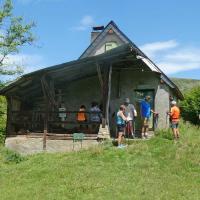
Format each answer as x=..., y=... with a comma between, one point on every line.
x=95, y=117
x=146, y=111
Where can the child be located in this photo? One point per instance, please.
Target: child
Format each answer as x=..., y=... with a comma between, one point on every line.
x=81, y=116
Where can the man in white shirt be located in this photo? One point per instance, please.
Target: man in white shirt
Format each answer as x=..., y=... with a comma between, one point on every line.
x=131, y=113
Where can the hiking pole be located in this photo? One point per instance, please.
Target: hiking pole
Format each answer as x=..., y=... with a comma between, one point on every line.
x=134, y=128
x=126, y=130
x=156, y=120
x=167, y=119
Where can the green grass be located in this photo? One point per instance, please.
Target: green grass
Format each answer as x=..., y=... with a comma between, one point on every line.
x=155, y=169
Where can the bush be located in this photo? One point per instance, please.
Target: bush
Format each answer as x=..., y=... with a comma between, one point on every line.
x=2, y=118
x=13, y=157
x=191, y=106
x=9, y=156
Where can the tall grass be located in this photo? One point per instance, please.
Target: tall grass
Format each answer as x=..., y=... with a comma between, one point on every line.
x=152, y=169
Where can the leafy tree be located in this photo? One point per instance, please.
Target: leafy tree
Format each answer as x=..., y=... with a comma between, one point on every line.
x=14, y=33
x=191, y=106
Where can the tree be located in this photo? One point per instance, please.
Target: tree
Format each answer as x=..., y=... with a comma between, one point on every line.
x=191, y=105
x=14, y=33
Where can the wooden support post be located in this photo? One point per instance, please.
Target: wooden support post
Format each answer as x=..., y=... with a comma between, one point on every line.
x=9, y=116
x=45, y=133
x=46, y=114
x=99, y=75
x=106, y=91
x=108, y=96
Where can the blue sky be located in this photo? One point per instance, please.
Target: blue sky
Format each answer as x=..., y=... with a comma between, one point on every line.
x=167, y=31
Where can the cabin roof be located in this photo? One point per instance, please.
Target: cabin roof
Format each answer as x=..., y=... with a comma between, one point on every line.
x=85, y=67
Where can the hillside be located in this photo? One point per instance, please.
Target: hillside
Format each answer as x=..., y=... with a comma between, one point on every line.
x=185, y=84
x=153, y=169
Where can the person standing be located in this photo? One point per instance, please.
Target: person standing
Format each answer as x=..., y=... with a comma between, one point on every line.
x=62, y=114
x=82, y=117
x=95, y=117
x=121, y=121
x=130, y=113
x=146, y=111
x=174, y=119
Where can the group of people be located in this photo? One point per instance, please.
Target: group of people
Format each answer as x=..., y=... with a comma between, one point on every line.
x=127, y=113
x=94, y=117
x=125, y=118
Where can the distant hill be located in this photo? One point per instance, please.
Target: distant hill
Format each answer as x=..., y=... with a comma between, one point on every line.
x=185, y=84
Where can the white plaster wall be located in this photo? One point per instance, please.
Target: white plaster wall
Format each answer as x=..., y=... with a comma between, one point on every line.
x=162, y=105
x=101, y=46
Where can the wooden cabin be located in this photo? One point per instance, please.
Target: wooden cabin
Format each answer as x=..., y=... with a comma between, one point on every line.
x=109, y=70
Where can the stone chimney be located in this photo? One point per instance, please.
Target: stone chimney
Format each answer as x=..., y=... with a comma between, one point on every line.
x=95, y=32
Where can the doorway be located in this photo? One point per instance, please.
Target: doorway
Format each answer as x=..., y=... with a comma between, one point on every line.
x=139, y=96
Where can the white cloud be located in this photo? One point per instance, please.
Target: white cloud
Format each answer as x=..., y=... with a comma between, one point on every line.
x=28, y=62
x=152, y=48
x=86, y=22
x=172, y=57
x=173, y=67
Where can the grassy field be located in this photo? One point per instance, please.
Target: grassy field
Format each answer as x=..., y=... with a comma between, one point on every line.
x=155, y=169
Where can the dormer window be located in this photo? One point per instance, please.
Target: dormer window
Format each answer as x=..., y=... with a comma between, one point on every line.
x=110, y=45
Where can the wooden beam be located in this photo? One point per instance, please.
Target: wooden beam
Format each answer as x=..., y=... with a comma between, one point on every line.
x=45, y=114
x=45, y=133
x=108, y=96
x=50, y=95
x=9, y=114
x=99, y=74
x=106, y=93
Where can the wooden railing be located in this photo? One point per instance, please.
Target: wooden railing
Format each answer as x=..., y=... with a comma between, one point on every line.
x=34, y=120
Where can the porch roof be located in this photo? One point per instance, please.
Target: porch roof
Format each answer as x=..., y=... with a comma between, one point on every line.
x=85, y=67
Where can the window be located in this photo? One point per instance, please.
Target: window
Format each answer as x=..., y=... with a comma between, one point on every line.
x=110, y=45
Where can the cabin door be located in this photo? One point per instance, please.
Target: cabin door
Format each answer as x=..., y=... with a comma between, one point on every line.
x=138, y=97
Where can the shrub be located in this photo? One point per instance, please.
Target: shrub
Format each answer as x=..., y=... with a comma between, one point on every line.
x=191, y=106
x=2, y=118
x=13, y=157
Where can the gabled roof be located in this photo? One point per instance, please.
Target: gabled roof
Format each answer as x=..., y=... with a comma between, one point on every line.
x=87, y=63
x=85, y=67
x=118, y=32
x=142, y=56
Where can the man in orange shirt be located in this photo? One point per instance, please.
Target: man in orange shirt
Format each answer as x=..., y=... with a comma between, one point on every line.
x=174, y=118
